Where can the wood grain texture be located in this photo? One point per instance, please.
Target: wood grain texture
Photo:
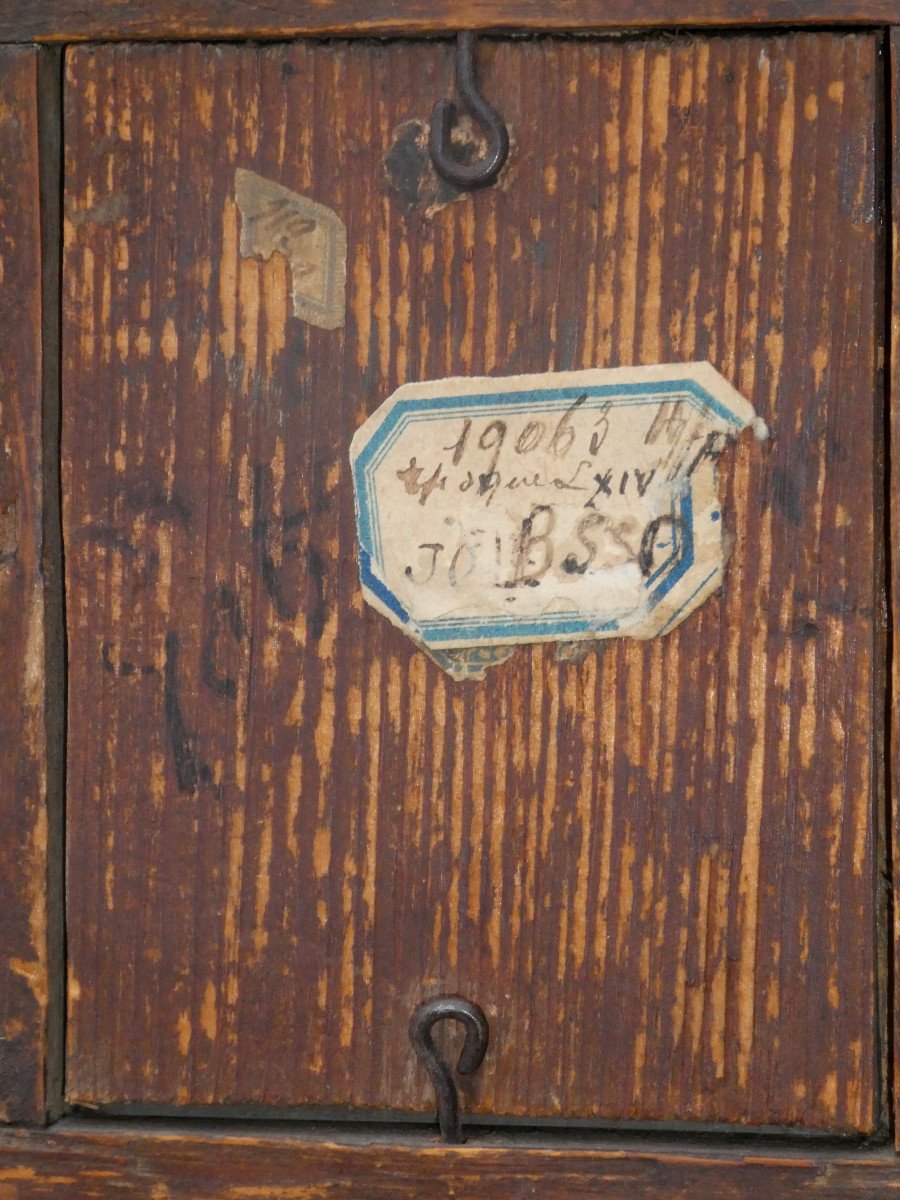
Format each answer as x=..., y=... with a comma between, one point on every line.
x=23, y=749
x=653, y=868
x=894, y=554
x=83, y=20
x=82, y=1160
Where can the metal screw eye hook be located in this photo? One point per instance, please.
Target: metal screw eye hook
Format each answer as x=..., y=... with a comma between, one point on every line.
x=446, y=163
x=423, y=1020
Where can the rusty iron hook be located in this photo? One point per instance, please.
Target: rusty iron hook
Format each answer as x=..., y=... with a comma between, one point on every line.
x=486, y=169
x=473, y=1020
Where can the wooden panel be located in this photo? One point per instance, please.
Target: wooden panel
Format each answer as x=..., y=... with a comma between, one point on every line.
x=653, y=868
x=82, y=1160
x=894, y=557
x=23, y=812
x=75, y=20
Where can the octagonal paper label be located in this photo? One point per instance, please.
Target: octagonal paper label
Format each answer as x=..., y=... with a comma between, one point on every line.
x=492, y=512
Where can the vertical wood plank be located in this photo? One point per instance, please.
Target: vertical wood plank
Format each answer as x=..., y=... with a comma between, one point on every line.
x=24, y=980
x=654, y=867
x=893, y=550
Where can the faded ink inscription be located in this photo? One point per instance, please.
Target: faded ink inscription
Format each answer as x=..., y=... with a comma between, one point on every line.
x=310, y=236
x=544, y=508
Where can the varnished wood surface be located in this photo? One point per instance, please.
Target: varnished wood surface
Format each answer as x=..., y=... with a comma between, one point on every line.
x=83, y=1160
x=23, y=812
x=654, y=868
x=82, y=20
x=894, y=555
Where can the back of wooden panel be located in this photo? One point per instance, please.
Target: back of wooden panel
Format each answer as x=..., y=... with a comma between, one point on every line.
x=653, y=866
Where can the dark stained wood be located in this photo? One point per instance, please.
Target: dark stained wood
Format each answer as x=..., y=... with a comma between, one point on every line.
x=50, y=153
x=23, y=748
x=82, y=20
x=83, y=1160
x=654, y=869
x=894, y=555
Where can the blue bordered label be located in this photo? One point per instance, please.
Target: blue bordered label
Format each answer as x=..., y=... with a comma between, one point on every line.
x=567, y=507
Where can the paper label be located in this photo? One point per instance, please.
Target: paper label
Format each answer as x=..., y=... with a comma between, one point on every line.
x=310, y=236
x=492, y=513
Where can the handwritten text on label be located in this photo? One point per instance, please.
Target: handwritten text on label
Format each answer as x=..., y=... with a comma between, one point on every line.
x=496, y=512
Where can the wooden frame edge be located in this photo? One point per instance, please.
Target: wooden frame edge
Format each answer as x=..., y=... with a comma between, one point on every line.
x=70, y=20
x=892, y=573
x=32, y=975
x=370, y=1166
x=185, y=1160
x=24, y=817
x=50, y=150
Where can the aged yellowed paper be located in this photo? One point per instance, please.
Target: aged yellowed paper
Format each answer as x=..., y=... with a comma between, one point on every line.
x=496, y=512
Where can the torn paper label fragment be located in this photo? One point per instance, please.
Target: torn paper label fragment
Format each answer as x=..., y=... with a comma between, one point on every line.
x=310, y=236
x=492, y=513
